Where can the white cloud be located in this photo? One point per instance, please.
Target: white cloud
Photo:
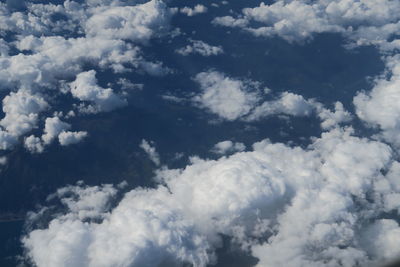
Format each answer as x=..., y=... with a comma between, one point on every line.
x=228, y=146
x=67, y=138
x=47, y=57
x=33, y=144
x=53, y=127
x=287, y=104
x=331, y=119
x=300, y=20
x=201, y=48
x=318, y=206
x=150, y=151
x=21, y=111
x=85, y=88
x=227, y=97
x=136, y=23
x=380, y=107
x=197, y=9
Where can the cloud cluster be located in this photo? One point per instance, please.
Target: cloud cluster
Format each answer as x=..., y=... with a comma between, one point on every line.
x=197, y=9
x=318, y=206
x=300, y=20
x=233, y=99
x=54, y=128
x=55, y=43
x=201, y=48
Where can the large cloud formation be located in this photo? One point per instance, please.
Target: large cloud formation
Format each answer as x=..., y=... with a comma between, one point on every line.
x=324, y=205
x=335, y=202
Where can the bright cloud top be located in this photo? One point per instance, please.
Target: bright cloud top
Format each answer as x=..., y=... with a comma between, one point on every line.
x=319, y=206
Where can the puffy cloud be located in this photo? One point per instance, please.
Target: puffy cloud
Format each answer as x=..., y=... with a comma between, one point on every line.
x=145, y=229
x=287, y=104
x=330, y=119
x=67, y=138
x=135, y=23
x=34, y=144
x=197, y=9
x=228, y=146
x=53, y=127
x=227, y=97
x=233, y=99
x=85, y=88
x=150, y=151
x=201, y=48
x=300, y=20
x=380, y=107
x=21, y=111
x=315, y=206
x=49, y=54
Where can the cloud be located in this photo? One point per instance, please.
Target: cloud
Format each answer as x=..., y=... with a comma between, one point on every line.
x=315, y=206
x=33, y=144
x=136, y=23
x=85, y=88
x=287, y=104
x=53, y=127
x=53, y=43
x=197, y=9
x=201, y=48
x=300, y=20
x=330, y=119
x=227, y=97
x=67, y=138
x=228, y=146
x=150, y=151
x=379, y=107
x=145, y=229
x=21, y=111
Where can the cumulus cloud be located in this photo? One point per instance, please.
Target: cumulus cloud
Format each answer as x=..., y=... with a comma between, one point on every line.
x=150, y=151
x=67, y=138
x=315, y=206
x=330, y=119
x=380, y=107
x=201, y=48
x=85, y=88
x=53, y=42
x=197, y=9
x=227, y=97
x=300, y=20
x=287, y=104
x=135, y=23
x=234, y=99
x=53, y=127
x=227, y=146
x=21, y=111
x=33, y=144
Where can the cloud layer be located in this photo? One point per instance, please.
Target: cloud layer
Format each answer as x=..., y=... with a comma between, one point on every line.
x=49, y=52
x=319, y=206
